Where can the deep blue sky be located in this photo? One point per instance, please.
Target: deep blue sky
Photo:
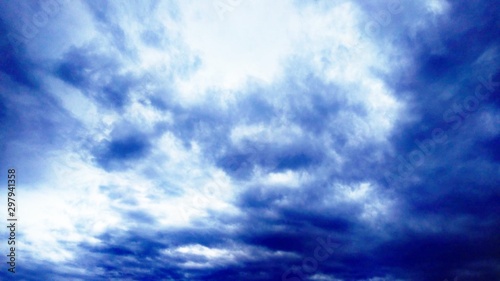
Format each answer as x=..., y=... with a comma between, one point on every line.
x=252, y=140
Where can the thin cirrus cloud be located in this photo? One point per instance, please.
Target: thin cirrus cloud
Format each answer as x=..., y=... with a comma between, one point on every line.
x=248, y=140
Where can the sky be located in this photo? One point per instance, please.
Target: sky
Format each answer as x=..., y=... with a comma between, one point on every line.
x=251, y=140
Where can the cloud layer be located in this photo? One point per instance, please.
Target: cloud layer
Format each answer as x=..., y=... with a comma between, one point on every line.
x=249, y=140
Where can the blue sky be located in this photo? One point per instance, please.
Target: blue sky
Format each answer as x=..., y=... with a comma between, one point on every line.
x=252, y=140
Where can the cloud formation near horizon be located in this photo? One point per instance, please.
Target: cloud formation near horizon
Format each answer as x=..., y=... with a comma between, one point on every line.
x=253, y=140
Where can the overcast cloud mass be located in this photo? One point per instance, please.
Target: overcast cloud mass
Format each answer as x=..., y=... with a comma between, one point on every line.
x=251, y=139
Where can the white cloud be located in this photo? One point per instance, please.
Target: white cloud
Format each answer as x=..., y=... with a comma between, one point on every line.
x=323, y=277
x=375, y=205
x=219, y=257
x=250, y=42
x=438, y=6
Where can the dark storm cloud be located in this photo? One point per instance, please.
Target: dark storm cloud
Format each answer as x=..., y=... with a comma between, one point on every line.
x=122, y=149
x=96, y=74
x=14, y=61
x=448, y=178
